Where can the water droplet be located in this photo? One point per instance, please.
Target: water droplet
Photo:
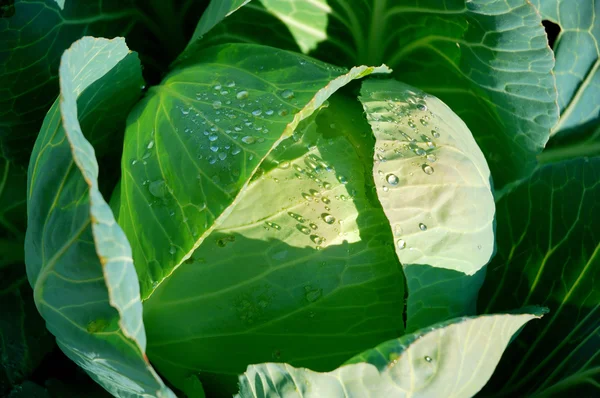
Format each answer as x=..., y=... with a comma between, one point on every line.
x=273, y=225
x=314, y=193
x=287, y=94
x=172, y=250
x=385, y=188
x=401, y=244
x=411, y=124
x=269, y=112
x=422, y=107
x=217, y=104
x=424, y=122
x=236, y=150
x=435, y=134
x=422, y=227
x=158, y=188
x=420, y=151
x=150, y=144
x=342, y=179
x=296, y=217
x=214, y=148
x=242, y=95
x=428, y=358
x=134, y=161
x=392, y=179
x=311, y=294
x=326, y=200
x=317, y=240
x=217, y=86
x=257, y=112
x=284, y=165
x=307, y=197
x=213, y=137
x=248, y=139
x=222, y=156
x=328, y=218
x=303, y=228
x=427, y=169
x=326, y=185
x=431, y=144
x=431, y=158
x=313, y=225
x=224, y=92
x=283, y=112
x=230, y=83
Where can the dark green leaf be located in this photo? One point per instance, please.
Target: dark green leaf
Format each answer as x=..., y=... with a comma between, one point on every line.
x=78, y=259
x=38, y=31
x=549, y=254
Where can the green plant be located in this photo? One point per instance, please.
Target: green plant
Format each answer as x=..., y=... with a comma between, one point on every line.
x=295, y=185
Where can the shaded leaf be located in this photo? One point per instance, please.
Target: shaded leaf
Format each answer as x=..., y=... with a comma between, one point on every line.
x=37, y=32
x=548, y=254
x=78, y=259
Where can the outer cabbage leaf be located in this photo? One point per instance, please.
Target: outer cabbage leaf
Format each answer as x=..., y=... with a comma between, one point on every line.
x=36, y=32
x=487, y=59
x=549, y=253
x=302, y=270
x=78, y=259
x=193, y=143
x=577, y=62
x=453, y=359
x=434, y=185
x=13, y=214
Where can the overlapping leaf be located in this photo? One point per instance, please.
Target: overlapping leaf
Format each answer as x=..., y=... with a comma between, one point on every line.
x=434, y=185
x=549, y=254
x=192, y=145
x=577, y=62
x=488, y=60
x=452, y=359
x=78, y=259
x=301, y=271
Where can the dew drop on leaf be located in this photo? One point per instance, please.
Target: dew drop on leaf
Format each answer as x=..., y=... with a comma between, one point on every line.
x=158, y=188
x=431, y=158
x=150, y=144
x=248, y=139
x=401, y=244
x=242, y=95
x=422, y=227
x=428, y=358
x=303, y=228
x=311, y=294
x=422, y=107
x=392, y=179
x=257, y=112
x=287, y=94
x=217, y=104
x=328, y=218
x=427, y=169
x=317, y=240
